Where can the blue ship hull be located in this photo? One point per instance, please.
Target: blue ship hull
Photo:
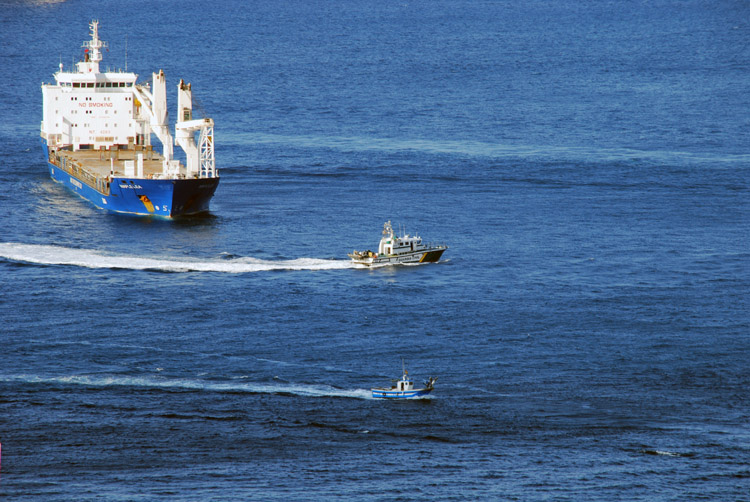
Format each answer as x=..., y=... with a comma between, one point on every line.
x=149, y=197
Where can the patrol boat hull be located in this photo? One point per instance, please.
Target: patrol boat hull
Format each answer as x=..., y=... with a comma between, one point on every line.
x=428, y=256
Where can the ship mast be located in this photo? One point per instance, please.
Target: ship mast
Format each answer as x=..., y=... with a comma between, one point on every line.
x=93, y=49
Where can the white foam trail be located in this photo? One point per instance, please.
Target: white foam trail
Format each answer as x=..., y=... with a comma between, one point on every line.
x=59, y=255
x=187, y=384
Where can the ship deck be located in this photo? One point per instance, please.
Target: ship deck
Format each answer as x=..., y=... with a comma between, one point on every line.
x=97, y=163
x=96, y=168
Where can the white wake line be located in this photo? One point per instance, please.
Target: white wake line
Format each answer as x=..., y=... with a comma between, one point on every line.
x=89, y=258
x=193, y=385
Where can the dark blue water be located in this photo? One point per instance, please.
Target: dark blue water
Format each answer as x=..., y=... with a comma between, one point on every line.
x=586, y=162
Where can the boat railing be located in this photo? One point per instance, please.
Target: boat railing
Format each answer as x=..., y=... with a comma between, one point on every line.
x=433, y=245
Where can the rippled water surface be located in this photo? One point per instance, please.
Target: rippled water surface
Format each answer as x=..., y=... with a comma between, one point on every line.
x=586, y=163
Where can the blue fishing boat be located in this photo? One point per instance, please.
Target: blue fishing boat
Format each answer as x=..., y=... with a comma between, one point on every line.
x=404, y=388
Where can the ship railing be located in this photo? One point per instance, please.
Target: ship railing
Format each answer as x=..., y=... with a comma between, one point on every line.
x=74, y=168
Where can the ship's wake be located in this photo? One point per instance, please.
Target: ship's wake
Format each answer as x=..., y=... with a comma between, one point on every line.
x=89, y=258
x=189, y=384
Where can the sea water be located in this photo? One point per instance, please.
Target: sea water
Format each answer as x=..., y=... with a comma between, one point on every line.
x=587, y=163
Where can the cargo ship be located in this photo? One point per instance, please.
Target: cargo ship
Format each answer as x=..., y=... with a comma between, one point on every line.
x=96, y=135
